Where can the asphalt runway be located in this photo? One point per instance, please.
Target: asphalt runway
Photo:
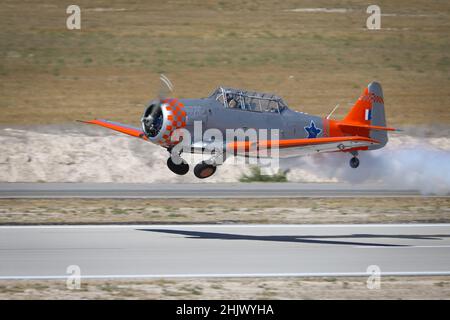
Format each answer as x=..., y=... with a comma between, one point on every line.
x=153, y=251
x=197, y=190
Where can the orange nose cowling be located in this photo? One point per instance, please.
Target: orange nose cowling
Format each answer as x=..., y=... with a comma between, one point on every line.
x=174, y=118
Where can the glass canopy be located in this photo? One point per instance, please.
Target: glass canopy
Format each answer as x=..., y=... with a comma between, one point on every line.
x=249, y=100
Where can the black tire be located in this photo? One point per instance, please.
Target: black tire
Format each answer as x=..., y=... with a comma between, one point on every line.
x=204, y=170
x=180, y=169
x=354, y=162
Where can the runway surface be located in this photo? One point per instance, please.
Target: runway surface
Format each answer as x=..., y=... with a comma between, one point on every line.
x=152, y=251
x=200, y=190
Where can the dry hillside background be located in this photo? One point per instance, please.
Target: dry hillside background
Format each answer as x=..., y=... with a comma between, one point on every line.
x=313, y=59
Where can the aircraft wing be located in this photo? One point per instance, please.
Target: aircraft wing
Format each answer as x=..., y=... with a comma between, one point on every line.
x=297, y=147
x=317, y=142
x=116, y=126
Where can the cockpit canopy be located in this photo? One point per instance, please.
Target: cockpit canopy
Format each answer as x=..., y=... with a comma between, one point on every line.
x=249, y=100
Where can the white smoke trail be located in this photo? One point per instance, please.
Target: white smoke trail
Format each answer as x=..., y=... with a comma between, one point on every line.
x=406, y=162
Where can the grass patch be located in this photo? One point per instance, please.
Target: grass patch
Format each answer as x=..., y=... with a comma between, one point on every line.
x=257, y=176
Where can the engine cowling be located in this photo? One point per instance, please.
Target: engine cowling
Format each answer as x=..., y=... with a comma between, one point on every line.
x=161, y=119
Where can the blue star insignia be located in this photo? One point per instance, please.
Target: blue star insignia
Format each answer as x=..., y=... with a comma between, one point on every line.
x=312, y=130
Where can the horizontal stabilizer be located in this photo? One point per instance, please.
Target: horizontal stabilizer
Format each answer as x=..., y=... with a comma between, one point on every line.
x=366, y=126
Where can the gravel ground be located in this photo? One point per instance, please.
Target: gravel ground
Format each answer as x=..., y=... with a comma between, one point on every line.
x=238, y=288
x=293, y=211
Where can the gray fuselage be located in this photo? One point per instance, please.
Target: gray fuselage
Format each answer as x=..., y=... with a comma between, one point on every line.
x=213, y=114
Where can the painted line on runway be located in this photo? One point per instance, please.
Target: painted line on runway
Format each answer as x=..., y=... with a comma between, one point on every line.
x=397, y=247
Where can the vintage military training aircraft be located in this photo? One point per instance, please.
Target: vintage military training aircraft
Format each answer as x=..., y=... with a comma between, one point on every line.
x=364, y=127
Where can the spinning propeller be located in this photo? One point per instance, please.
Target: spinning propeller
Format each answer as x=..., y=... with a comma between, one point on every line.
x=150, y=121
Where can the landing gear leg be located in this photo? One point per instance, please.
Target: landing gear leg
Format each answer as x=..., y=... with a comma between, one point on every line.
x=354, y=162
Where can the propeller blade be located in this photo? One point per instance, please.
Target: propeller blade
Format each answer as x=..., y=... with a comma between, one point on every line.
x=166, y=88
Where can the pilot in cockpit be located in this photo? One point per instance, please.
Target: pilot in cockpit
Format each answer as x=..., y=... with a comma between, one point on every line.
x=232, y=103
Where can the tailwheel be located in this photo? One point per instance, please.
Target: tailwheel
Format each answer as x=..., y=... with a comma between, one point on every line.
x=180, y=169
x=354, y=162
x=204, y=170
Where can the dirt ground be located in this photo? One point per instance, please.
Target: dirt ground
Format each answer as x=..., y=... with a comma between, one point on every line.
x=436, y=287
x=314, y=59
x=290, y=211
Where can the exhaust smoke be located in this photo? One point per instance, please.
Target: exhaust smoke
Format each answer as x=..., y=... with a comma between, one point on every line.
x=406, y=162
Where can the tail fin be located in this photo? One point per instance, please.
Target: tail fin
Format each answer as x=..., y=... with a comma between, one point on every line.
x=368, y=112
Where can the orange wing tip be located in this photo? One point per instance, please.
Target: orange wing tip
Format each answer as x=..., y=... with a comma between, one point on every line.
x=126, y=129
x=95, y=121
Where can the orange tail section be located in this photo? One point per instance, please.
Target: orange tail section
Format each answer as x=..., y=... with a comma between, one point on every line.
x=367, y=117
x=362, y=111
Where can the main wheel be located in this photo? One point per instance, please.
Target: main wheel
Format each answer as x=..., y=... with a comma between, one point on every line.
x=180, y=169
x=204, y=170
x=354, y=162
